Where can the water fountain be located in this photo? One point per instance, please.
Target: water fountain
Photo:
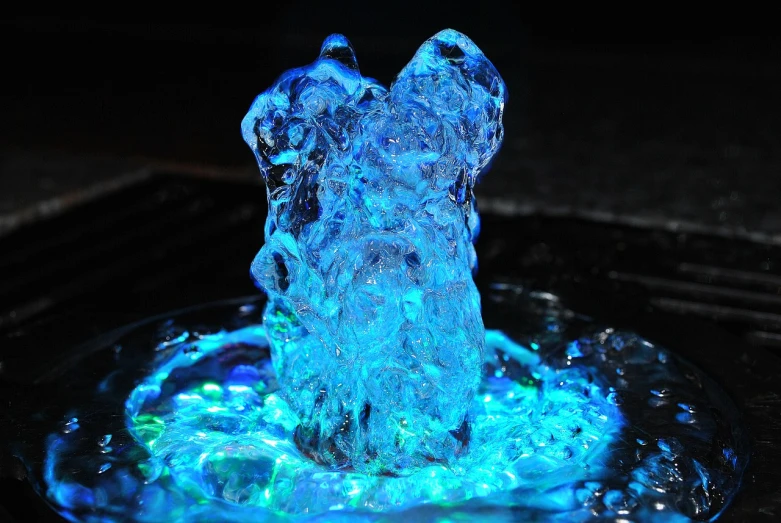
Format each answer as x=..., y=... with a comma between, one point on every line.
x=366, y=387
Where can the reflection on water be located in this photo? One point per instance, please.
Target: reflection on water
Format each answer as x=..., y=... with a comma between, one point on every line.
x=572, y=421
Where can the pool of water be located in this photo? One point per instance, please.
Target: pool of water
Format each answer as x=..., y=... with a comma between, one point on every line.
x=573, y=420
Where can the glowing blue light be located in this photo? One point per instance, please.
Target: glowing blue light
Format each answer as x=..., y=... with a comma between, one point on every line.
x=546, y=438
x=373, y=317
x=523, y=437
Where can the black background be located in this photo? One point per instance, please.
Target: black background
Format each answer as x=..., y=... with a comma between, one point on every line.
x=176, y=85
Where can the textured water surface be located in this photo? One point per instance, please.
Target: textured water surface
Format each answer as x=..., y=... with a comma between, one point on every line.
x=571, y=421
x=373, y=318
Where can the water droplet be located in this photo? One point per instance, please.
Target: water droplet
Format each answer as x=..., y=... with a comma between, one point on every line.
x=685, y=417
x=615, y=398
x=619, y=502
x=595, y=487
x=71, y=425
x=670, y=445
x=585, y=497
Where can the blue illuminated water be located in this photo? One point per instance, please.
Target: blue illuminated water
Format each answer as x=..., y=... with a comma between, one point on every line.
x=570, y=421
x=373, y=317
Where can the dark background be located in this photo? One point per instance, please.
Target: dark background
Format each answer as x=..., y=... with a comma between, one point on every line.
x=176, y=86
x=666, y=116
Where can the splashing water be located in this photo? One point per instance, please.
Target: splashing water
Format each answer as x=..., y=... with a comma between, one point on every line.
x=373, y=318
x=371, y=391
x=572, y=421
